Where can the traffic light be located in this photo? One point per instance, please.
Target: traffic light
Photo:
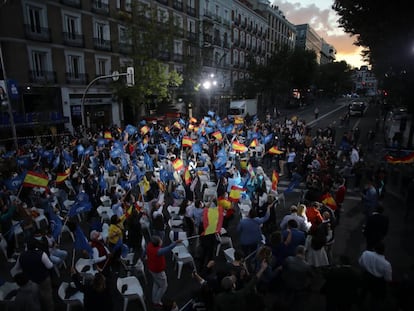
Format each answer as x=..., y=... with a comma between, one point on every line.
x=130, y=76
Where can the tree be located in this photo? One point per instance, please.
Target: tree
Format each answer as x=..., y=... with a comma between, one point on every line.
x=382, y=30
x=335, y=78
x=151, y=36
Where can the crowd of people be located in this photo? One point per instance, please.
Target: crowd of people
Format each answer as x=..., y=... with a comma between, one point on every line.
x=138, y=172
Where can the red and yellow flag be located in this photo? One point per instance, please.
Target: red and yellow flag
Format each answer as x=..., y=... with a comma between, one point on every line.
x=254, y=143
x=61, y=177
x=224, y=203
x=400, y=160
x=275, y=180
x=239, y=147
x=108, y=135
x=275, y=150
x=177, y=125
x=212, y=220
x=235, y=193
x=238, y=120
x=187, y=141
x=217, y=135
x=193, y=120
x=34, y=179
x=144, y=130
x=187, y=176
x=329, y=201
x=178, y=164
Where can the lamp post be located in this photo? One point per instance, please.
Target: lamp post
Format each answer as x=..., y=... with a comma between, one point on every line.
x=209, y=84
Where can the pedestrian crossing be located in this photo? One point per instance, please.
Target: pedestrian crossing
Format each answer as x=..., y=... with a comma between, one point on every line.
x=301, y=189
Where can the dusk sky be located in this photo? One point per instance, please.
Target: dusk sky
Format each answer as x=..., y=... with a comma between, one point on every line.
x=319, y=15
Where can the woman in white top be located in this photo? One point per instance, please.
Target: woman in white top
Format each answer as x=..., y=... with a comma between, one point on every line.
x=301, y=212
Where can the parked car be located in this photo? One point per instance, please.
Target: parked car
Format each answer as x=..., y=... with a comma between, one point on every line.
x=357, y=108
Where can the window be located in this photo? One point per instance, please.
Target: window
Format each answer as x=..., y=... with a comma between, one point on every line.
x=74, y=65
x=123, y=35
x=100, y=31
x=191, y=3
x=191, y=26
x=178, y=47
x=103, y=65
x=71, y=25
x=178, y=21
x=36, y=18
x=162, y=15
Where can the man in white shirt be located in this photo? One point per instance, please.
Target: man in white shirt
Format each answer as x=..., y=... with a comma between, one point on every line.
x=377, y=272
x=302, y=225
x=354, y=156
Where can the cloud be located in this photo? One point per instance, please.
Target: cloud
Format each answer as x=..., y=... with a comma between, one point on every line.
x=325, y=22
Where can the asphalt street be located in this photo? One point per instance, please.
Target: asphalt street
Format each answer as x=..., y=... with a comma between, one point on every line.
x=348, y=235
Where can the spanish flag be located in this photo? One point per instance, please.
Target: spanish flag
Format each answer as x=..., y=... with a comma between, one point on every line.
x=224, y=203
x=61, y=177
x=187, y=176
x=275, y=180
x=144, y=130
x=239, y=147
x=275, y=150
x=193, y=120
x=108, y=135
x=187, y=141
x=254, y=143
x=235, y=193
x=400, y=160
x=212, y=220
x=217, y=135
x=238, y=120
x=34, y=179
x=329, y=201
x=177, y=125
x=178, y=164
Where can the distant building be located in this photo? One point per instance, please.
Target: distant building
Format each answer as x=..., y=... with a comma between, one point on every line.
x=365, y=82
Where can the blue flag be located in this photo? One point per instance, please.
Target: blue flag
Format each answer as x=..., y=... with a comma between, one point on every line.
x=81, y=242
x=55, y=222
x=148, y=161
x=267, y=138
x=131, y=130
x=14, y=183
x=81, y=205
x=67, y=157
x=166, y=176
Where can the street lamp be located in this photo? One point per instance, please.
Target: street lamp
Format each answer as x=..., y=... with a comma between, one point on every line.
x=208, y=84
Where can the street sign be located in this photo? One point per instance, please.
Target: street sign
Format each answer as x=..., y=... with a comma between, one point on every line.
x=130, y=76
x=115, y=75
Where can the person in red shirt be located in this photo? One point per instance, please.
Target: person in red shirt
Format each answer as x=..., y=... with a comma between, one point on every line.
x=339, y=198
x=314, y=216
x=156, y=264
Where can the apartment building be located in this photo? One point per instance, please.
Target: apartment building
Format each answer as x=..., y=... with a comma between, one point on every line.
x=52, y=50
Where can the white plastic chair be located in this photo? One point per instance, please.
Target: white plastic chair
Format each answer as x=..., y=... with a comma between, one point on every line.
x=181, y=255
x=281, y=197
x=41, y=220
x=223, y=241
x=209, y=194
x=5, y=290
x=85, y=267
x=229, y=254
x=106, y=201
x=244, y=210
x=74, y=300
x=130, y=288
x=137, y=267
x=104, y=212
x=173, y=210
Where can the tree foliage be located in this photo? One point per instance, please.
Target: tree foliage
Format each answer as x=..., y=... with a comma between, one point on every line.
x=151, y=37
x=385, y=30
x=335, y=78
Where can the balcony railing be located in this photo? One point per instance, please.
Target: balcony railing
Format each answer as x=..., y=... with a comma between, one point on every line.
x=163, y=2
x=102, y=44
x=177, y=57
x=72, y=3
x=37, y=33
x=73, y=39
x=76, y=78
x=30, y=118
x=100, y=7
x=125, y=48
x=178, y=5
x=191, y=11
x=164, y=55
x=192, y=36
x=208, y=62
x=42, y=76
x=208, y=38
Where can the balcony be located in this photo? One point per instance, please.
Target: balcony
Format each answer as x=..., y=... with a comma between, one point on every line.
x=164, y=55
x=208, y=62
x=208, y=15
x=208, y=38
x=76, y=78
x=37, y=33
x=177, y=57
x=42, y=76
x=217, y=18
x=100, y=7
x=178, y=5
x=125, y=48
x=192, y=36
x=72, y=3
x=226, y=23
x=191, y=11
x=73, y=39
x=102, y=44
x=163, y=2
x=31, y=118
x=236, y=64
x=217, y=41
